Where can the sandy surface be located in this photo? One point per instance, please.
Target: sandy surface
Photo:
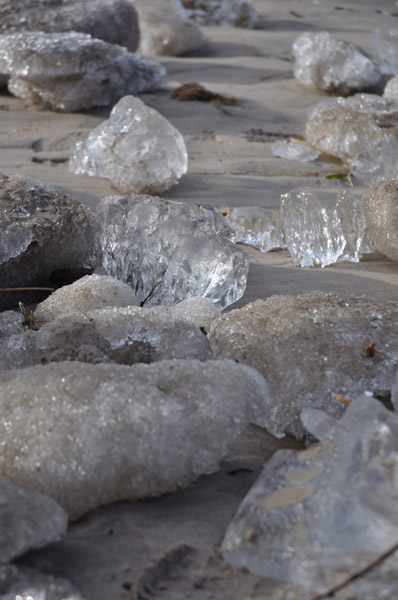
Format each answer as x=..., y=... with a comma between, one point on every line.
x=230, y=164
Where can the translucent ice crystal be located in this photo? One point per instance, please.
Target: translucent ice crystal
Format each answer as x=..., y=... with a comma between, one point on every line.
x=257, y=226
x=182, y=249
x=72, y=71
x=236, y=13
x=114, y=21
x=136, y=148
x=380, y=207
x=385, y=49
x=293, y=150
x=88, y=435
x=376, y=162
x=332, y=65
x=317, y=236
x=343, y=127
x=27, y=520
x=311, y=349
x=318, y=517
x=24, y=583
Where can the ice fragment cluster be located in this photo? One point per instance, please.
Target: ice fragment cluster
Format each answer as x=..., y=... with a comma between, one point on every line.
x=293, y=150
x=320, y=516
x=87, y=435
x=236, y=13
x=24, y=583
x=385, y=50
x=73, y=71
x=257, y=226
x=311, y=348
x=182, y=249
x=136, y=148
x=332, y=65
x=380, y=207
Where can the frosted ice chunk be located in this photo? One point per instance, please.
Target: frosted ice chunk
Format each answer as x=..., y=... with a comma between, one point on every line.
x=27, y=520
x=343, y=127
x=385, y=50
x=317, y=422
x=24, y=583
x=316, y=518
x=236, y=13
x=198, y=311
x=377, y=162
x=380, y=207
x=257, y=226
x=88, y=293
x=311, y=348
x=391, y=89
x=182, y=249
x=294, y=150
x=318, y=236
x=72, y=71
x=136, y=148
x=41, y=230
x=93, y=434
x=166, y=29
x=10, y=322
x=332, y=65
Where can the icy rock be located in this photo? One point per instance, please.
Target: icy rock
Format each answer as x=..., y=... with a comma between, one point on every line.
x=89, y=435
x=235, y=13
x=10, y=322
x=88, y=293
x=73, y=71
x=166, y=29
x=41, y=230
x=391, y=89
x=27, y=520
x=380, y=207
x=136, y=148
x=377, y=162
x=24, y=583
x=182, y=249
x=256, y=226
x=316, y=518
x=317, y=422
x=311, y=348
x=293, y=150
x=343, y=127
x=332, y=65
x=114, y=21
x=385, y=50
x=318, y=236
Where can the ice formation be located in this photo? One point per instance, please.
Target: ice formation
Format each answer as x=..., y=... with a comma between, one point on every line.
x=89, y=435
x=24, y=583
x=136, y=148
x=257, y=226
x=27, y=520
x=377, y=162
x=380, y=207
x=195, y=310
x=236, y=13
x=166, y=29
x=332, y=65
x=73, y=71
x=182, y=249
x=317, y=236
x=293, y=150
x=88, y=293
x=41, y=230
x=312, y=349
x=114, y=21
x=318, y=517
x=317, y=422
x=344, y=127
x=385, y=50
x=391, y=89
x=10, y=322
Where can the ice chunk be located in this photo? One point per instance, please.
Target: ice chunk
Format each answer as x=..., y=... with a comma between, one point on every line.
x=93, y=434
x=332, y=65
x=394, y=392
x=311, y=349
x=380, y=207
x=27, y=520
x=318, y=236
x=257, y=226
x=385, y=49
x=293, y=150
x=72, y=71
x=41, y=230
x=88, y=293
x=10, y=322
x=182, y=249
x=318, y=517
x=24, y=583
x=198, y=311
x=376, y=162
x=166, y=29
x=317, y=422
x=136, y=148
x=236, y=13
x=391, y=89
x=343, y=127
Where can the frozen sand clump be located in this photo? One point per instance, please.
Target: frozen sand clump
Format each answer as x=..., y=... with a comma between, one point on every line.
x=136, y=148
x=380, y=207
x=317, y=518
x=235, y=13
x=311, y=348
x=332, y=65
x=72, y=71
x=24, y=583
x=89, y=435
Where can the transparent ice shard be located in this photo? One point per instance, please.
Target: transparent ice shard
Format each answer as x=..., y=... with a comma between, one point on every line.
x=24, y=583
x=380, y=207
x=332, y=65
x=316, y=518
x=236, y=13
x=385, y=50
x=256, y=226
x=293, y=150
x=136, y=148
x=377, y=162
